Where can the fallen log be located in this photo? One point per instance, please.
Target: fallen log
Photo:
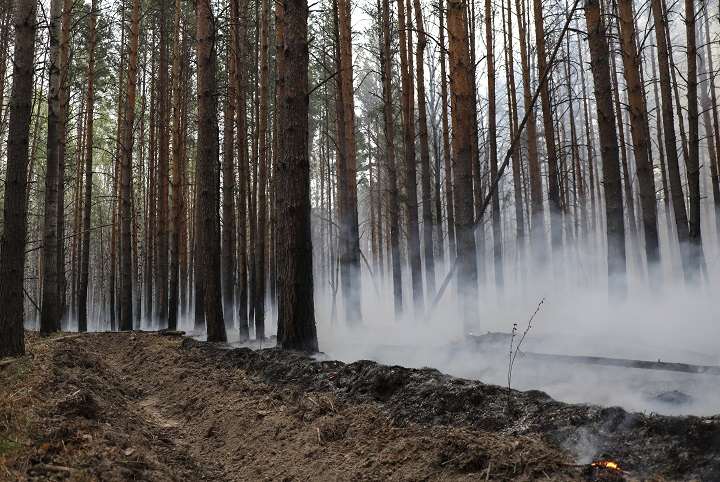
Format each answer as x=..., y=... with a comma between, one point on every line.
x=627, y=363
x=502, y=340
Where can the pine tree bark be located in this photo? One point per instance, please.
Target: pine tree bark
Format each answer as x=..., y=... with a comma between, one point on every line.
x=676, y=191
x=126, y=303
x=296, y=311
x=62, y=149
x=514, y=123
x=12, y=240
x=609, y=150
x=427, y=215
x=696, y=260
x=85, y=263
x=393, y=205
x=208, y=174
x=405, y=37
x=242, y=160
x=350, y=275
x=178, y=146
x=538, y=244
x=228, y=243
x=50, y=308
x=492, y=138
x=639, y=129
x=462, y=114
x=447, y=160
x=712, y=127
x=556, y=222
x=261, y=179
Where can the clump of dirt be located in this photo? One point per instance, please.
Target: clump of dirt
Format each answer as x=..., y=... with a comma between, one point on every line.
x=138, y=406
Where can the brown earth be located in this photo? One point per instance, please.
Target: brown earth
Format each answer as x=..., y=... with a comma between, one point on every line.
x=141, y=406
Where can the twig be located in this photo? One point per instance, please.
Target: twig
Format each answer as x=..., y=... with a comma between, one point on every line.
x=5, y=363
x=514, y=354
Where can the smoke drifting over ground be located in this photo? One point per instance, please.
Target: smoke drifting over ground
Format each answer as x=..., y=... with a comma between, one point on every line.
x=676, y=323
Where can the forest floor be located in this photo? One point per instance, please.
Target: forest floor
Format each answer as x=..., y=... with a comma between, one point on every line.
x=144, y=406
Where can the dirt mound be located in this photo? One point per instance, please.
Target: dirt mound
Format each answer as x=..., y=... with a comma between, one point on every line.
x=135, y=406
x=679, y=448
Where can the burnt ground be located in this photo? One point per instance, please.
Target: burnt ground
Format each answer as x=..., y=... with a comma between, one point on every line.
x=141, y=406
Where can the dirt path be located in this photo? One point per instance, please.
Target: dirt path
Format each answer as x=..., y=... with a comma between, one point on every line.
x=137, y=406
x=141, y=406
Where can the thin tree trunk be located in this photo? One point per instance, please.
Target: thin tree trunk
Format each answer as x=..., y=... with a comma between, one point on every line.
x=85, y=263
x=609, y=150
x=50, y=308
x=178, y=144
x=556, y=227
x=676, y=192
x=126, y=322
x=639, y=129
x=538, y=245
x=405, y=37
x=242, y=147
x=514, y=122
x=696, y=260
x=492, y=137
x=62, y=143
x=427, y=216
x=393, y=206
x=712, y=129
x=228, y=243
x=449, y=204
x=347, y=172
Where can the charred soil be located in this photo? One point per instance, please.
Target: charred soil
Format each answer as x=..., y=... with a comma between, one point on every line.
x=140, y=406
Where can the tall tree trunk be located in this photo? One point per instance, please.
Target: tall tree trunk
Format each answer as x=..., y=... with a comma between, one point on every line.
x=693, y=160
x=178, y=145
x=12, y=240
x=405, y=37
x=296, y=310
x=163, y=173
x=492, y=137
x=449, y=204
x=50, y=314
x=228, y=244
x=676, y=192
x=639, y=129
x=242, y=148
x=462, y=112
x=348, y=216
x=62, y=149
x=208, y=174
x=712, y=128
x=538, y=244
x=427, y=215
x=85, y=263
x=609, y=150
x=514, y=124
x=393, y=206
x=261, y=179
x=556, y=223
x=126, y=313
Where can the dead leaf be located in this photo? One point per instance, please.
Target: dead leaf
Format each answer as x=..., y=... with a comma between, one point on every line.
x=129, y=452
x=44, y=447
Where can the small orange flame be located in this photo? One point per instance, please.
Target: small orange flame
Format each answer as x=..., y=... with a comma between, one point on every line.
x=607, y=465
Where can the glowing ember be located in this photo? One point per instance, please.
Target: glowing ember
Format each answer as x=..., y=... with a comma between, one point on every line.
x=607, y=465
